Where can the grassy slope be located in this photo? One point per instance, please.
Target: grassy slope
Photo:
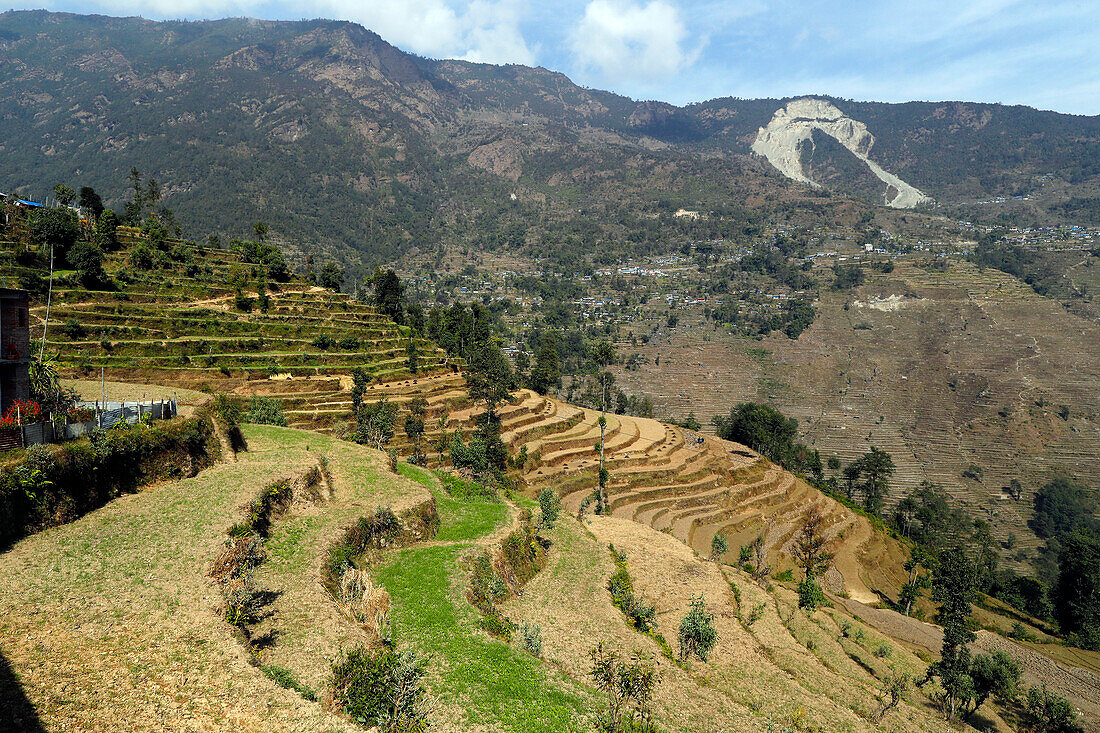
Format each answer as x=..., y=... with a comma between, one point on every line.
x=479, y=682
x=119, y=601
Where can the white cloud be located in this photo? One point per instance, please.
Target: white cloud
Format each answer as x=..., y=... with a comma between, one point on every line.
x=628, y=42
x=493, y=35
x=481, y=30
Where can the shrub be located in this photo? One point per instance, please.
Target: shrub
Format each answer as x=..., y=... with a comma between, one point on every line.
x=271, y=502
x=323, y=342
x=1046, y=712
x=531, y=638
x=242, y=554
x=549, y=506
x=883, y=651
x=719, y=546
x=787, y=576
x=756, y=613
x=349, y=343
x=266, y=411
x=697, y=633
x=284, y=678
x=465, y=489
x=629, y=688
x=73, y=328
x=382, y=688
x=890, y=696
x=639, y=614
x=496, y=625
x=810, y=595
x=85, y=474
x=243, y=600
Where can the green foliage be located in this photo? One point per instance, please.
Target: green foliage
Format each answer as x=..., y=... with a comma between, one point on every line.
x=810, y=595
x=954, y=587
x=546, y=372
x=375, y=423
x=77, y=477
x=266, y=411
x=531, y=638
x=995, y=674
x=629, y=688
x=697, y=633
x=768, y=431
x=549, y=506
x=641, y=615
x=719, y=546
x=1077, y=593
x=331, y=276
x=1047, y=712
x=382, y=688
x=87, y=258
x=57, y=228
x=1062, y=506
x=372, y=532
x=787, y=576
x=73, y=329
x=847, y=276
x=272, y=501
x=91, y=201
x=285, y=678
x=389, y=294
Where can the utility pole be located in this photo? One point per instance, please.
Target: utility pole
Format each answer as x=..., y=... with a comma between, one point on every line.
x=46, y=323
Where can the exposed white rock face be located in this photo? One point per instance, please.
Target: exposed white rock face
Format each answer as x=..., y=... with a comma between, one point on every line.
x=793, y=125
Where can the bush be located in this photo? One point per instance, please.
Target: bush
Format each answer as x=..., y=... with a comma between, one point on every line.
x=272, y=501
x=697, y=633
x=85, y=474
x=810, y=595
x=531, y=638
x=756, y=613
x=349, y=343
x=719, y=546
x=1046, y=712
x=883, y=651
x=641, y=615
x=383, y=689
x=266, y=411
x=787, y=576
x=73, y=328
x=461, y=488
x=629, y=688
x=323, y=342
x=284, y=678
x=549, y=506
x=373, y=532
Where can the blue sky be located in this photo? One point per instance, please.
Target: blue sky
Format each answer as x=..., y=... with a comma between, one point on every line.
x=1044, y=53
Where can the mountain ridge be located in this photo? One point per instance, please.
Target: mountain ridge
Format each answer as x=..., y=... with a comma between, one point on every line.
x=342, y=141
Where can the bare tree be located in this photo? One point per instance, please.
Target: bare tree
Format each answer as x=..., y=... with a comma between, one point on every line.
x=809, y=545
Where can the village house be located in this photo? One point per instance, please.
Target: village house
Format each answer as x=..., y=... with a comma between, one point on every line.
x=15, y=347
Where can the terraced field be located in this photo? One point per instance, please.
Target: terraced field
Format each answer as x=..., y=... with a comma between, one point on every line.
x=943, y=370
x=181, y=325
x=686, y=484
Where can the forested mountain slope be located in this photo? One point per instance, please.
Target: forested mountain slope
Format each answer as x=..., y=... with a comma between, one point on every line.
x=345, y=143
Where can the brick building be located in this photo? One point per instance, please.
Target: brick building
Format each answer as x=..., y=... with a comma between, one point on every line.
x=15, y=347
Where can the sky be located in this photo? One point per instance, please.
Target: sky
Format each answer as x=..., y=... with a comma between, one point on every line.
x=1042, y=53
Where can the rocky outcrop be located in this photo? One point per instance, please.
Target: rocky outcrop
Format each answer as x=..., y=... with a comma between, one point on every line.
x=783, y=139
